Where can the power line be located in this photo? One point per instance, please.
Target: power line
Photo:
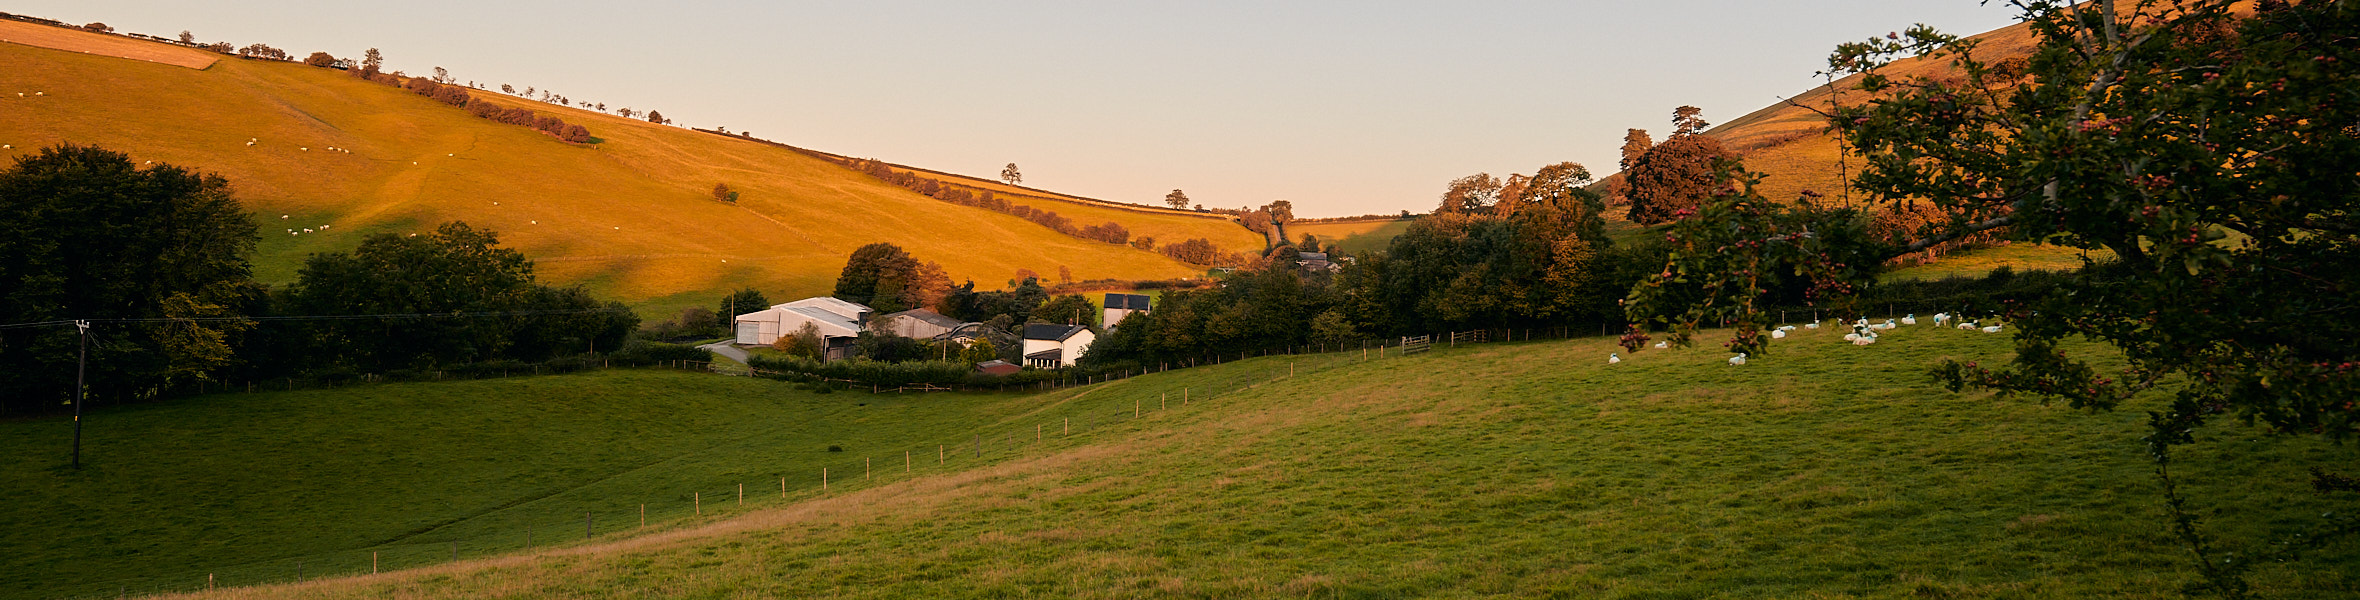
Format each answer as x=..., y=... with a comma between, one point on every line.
x=456, y=315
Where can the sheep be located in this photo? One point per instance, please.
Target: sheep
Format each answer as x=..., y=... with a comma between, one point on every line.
x=1865, y=341
x=282, y=217
x=307, y=230
x=1941, y=319
x=1787, y=328
x=6, y=146
x=1851, y=337
x=1737, y=360
x=305, y=148
x=1663, y=344
x=1966, y=325
x=536, y=222
x=1811, y=325
x=249, y=143
x=1612, y=358
x=1911, y=319
x=1777, y=334
x=1991, y=329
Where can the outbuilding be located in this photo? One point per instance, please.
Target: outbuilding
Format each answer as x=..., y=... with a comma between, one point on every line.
x=1048, y=346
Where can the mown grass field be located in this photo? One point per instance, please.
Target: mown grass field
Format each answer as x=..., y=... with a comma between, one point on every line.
x=1528, y=469
x=630, y=216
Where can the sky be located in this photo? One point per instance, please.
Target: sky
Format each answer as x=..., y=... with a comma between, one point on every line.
x=1343, y=108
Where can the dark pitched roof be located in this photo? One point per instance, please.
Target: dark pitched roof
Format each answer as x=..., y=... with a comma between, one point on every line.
x=1049, y=354
x=1127, y=301
x=1319, y=256
x=1046, y=331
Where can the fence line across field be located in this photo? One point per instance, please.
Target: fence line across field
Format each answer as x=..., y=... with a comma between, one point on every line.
x=547, y=530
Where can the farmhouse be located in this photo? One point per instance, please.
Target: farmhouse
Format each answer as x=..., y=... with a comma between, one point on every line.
x=838, y=322
x=1122, y=305
x=1048, y=346
x=1317, y=261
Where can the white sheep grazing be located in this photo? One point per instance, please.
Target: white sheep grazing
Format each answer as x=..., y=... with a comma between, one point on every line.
x=1966, y=325
x=1787, y=328
x=307, y=230
x=1811, y=325
x=306, y=148
x=1613, y=358
x=1991, y=329
x=1663, y=344
x=1777, y=334
x=282, y=217
x=292, y=232
x=1851, y=337
x=6, y=146
x=1941, y=319
x=1737, y=360
x=249, y=143
x=536, y=222
x=1864, y=341
x=1909, y=320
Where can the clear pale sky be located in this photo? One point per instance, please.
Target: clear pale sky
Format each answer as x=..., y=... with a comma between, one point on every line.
x=1341, y=107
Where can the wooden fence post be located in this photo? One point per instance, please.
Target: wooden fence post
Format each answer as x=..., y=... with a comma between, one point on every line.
x=698, y=501
x=823, y=479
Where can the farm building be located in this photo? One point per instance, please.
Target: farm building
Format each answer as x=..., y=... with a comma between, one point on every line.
x=1122, y=305
x=997, y=367
x=1317, y=261
x=918, y=323
x=1050, y=346
x=838, y=322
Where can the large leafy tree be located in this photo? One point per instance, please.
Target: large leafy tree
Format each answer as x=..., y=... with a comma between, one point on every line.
x=2208, y=147
x=86, y=234
x=451, y=296
x=1659, y=180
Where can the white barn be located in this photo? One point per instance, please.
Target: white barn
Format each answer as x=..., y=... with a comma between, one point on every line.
x=1049, y=346
x=835, y=319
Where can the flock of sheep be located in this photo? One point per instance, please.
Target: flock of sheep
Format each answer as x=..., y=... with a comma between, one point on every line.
x=21, y=95
x=1863, y=332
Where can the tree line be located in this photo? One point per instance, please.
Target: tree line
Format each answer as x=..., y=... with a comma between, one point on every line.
x=157, y=260
x=1109, y=232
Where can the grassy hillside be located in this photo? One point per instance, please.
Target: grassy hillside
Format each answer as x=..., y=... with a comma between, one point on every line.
x=629, y=216
x=1508, y=470
x=1165, y=225
x=1352, y=236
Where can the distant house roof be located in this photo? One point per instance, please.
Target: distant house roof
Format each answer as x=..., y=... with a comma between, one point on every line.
x=1046, y=331
x=927, y=316
x=1127, y=301
x=1321, y=256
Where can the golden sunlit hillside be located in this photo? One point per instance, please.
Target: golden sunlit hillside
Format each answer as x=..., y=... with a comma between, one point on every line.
x=630, y=215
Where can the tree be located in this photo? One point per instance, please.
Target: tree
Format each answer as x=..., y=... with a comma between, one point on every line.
x=187, y=38
x=1676, y=175
x=372, y=62
x=1473, y=194
x=1025, y=275
x=99, y=27
x=805, y=342
x=507, y=89
x=1177, y=199
x=1310, y=243
x=442, y=75
x=1281, y=213
x=455, y=269
x=742, y=301
x=657, y=117
x=879, y=275
x=1069, y=309
x=722, y=193
x=2158, y=132
x=320, y=59
x=90, y=235
x=1064, y=274
x=980, y=350
x=1636, y=143
x=1010, y=175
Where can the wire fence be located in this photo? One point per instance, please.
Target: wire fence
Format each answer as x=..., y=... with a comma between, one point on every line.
x=1096, y=405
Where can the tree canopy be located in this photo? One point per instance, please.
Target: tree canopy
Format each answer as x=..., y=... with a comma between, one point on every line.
x=2207, y=151
x=89, y=235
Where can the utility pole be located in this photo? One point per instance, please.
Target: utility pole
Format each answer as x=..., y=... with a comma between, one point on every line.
x=81, y=365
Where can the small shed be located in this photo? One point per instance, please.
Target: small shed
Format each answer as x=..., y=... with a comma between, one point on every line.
x=996, y=367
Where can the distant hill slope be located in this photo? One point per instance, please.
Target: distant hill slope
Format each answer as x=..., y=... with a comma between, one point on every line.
x=629, y=216
x=1789, y=142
